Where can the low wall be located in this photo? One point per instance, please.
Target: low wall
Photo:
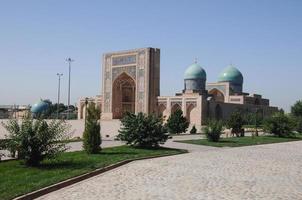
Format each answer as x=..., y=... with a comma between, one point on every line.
x=109, y=129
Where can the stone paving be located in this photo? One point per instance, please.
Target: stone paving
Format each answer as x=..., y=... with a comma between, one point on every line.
x=256, y=172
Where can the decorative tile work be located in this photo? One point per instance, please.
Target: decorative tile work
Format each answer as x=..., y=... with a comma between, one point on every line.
x=124, y=60
x=107, y=83
x=221, y=88
x=193, y=103
x=130, y=70
x=141, y=80
x=176, y=103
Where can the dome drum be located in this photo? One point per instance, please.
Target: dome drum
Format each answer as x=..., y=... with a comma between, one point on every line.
x=195, y=84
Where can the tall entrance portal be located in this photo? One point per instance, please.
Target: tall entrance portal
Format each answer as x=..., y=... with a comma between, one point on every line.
x=123, y=96
x=130, y=82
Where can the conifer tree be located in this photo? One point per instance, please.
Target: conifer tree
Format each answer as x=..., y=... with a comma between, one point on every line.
x=177, y=123
x=92, y=136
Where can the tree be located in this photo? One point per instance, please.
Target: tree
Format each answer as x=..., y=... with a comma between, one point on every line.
x=296, y=109
x=142, y=130
x=213, y=130
x=296, y=112
x=280, y=125
x=193, y=130
x=35, y=140
x=255, y=119
x=92, y=136
x=235, y=122
x=177, y=123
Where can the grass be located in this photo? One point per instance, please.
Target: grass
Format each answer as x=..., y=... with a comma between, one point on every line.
x=242, y=141
x=17, y=179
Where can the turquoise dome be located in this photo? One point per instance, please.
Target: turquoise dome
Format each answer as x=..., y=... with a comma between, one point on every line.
x=195, y=71
x=39, y=107
x=231, y=74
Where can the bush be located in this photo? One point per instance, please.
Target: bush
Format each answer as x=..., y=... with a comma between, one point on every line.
x=35, y=140
x=177, y=123
x=92, y=136
x=296, y=109
x=142, y=130
x=235, y=122
x=297, y=123
x=280, y=125
x=193, y=130
x=213, y=130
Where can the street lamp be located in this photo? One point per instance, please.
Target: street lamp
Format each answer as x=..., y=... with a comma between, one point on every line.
x=86, y=103
x=69, y=60
x=59, y=87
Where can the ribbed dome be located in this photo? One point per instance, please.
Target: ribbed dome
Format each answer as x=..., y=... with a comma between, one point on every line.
x=39, y=107
x=231, y=74
x=195, y=71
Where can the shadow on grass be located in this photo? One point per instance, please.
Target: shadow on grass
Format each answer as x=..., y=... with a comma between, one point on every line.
x=116, y=153
x=227, y=142
x=59, y=164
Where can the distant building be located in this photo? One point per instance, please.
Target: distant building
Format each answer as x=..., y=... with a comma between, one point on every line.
x=131, y=82
x=13, y=111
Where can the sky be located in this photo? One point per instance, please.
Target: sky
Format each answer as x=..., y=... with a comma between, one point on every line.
x=262, y=38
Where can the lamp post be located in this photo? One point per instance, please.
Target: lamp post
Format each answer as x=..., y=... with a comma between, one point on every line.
x=59, y=88
x=86, y=103
x=69, y=60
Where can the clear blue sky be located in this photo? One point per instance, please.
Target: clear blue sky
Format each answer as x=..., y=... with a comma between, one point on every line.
x=262, y=38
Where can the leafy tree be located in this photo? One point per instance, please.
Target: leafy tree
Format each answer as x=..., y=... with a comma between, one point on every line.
x=92, y=136
x=142, y=130
x=296, y=109
x=177, y=123
x=213, y=130
x=280, y=125
x=299, y=124
x=235, y=122
x=255, y=119
x=296, y=112
x=35, y=140
x=193, y=130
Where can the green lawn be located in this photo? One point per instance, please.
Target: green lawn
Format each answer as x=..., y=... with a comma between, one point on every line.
x=17, y=179
x=241, y=141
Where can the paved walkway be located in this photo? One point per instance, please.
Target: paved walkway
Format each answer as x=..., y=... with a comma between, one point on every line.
x=256, y=172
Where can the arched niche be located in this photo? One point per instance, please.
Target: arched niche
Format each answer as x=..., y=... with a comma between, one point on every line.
x=217, y=95
x=123, y=95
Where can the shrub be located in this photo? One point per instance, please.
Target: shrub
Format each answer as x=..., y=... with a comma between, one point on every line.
x=296, y=109
x=142, y=130
x=235, y=122
x=213, y=130
x=298, y=123
x=35, y=140
x=92, y=136
x=279, y=124
x=177, y=123
x=193, y=130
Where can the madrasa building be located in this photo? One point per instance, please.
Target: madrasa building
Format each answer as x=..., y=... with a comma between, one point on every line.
x=131, y=83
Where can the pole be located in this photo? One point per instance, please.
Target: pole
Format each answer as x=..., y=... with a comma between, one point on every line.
x=86, y=103
x=69, y=60
x=59, y=86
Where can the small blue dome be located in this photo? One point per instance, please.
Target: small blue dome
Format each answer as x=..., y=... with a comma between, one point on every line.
x=195, y=71
x=39, y=107
x=231, y=74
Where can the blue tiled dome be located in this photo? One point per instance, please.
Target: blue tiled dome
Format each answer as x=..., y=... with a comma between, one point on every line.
x=231, y=74
x=39, y=107
x=195, y=71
